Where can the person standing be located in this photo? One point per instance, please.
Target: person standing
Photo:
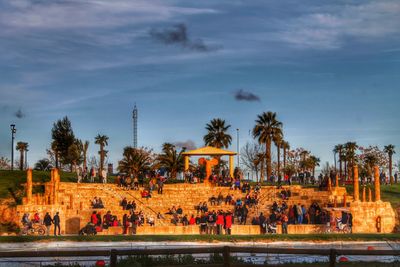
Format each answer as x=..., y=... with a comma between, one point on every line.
x=56, y=222
x=104, y=176
x=47, y=222
x=228, y=223
x=284, y=220
x=262, y=220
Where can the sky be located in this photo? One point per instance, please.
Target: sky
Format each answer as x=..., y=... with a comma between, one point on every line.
x=329, y=69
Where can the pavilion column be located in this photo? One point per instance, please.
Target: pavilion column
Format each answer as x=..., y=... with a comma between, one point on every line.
x=231, y=166
x=29, y=186
x=355, y=181
x=377, y=184
x=186, y=163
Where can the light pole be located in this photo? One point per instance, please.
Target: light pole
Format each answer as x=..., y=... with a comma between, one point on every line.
x=238, y=154
x=13, y=131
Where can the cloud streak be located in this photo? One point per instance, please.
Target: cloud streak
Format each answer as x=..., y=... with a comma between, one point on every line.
x=178, y=35
x=242, y=95
x=188, y=144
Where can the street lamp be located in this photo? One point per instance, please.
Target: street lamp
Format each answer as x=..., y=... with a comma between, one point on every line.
x=13, y=131
x=238, y=154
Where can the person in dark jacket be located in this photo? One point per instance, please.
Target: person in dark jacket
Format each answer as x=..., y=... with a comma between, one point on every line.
x=262, y=220
x=47, y=222
x=56, y=222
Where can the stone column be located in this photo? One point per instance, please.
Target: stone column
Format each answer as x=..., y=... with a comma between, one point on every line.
x=52, y=187
x=344, y=200
x=329, y=184
x=355, y=181
x=369, y=195
x=377, y=184
x=56, y=185
x=29, y=186
x=186, y=163
x=363, y=194
x=231, y=166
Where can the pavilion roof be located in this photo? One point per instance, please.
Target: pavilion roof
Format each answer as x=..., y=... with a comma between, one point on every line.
x=208, y=150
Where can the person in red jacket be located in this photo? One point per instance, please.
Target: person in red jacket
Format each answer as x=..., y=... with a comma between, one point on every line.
x=220, y=222
x=93, y=218
x=192, y=220
x=228, y=222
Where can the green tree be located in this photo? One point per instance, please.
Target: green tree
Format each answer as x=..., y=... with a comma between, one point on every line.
x=217, y=135
x=43, y=165
x=313, y=163
x=266, y=129
x=171, y=159
x=21, y=147
x=389, y=149
x=102, y=141
x=351, y=157
x=74, y=155
x=135, y=160
x=63, y=137
x=338, y=150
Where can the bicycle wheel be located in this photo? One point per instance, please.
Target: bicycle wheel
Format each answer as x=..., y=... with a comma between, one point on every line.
x=41, y=231
x=31, y=231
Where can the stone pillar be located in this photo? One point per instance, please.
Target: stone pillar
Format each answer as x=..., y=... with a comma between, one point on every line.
x=329, y=184
x=344, y=200
x=186, y=163
x=29, y=186
x=363, y=194
x=377, y=184
x=355, y=181
x=369, y=195
x=56, y=185
x=52, y=187
x=337, y=180
x=231, y=166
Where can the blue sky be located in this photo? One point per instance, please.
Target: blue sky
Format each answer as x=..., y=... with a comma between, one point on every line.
x=330, y=69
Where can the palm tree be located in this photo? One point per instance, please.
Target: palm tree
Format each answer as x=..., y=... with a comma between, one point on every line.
x=351, y=157
x=22, y=147
x=102, y=140
x=266, y=129
x=171, y=159
x=389, y=149
x=314, y=162
x=278, y=143
x=286, y=147
x=135, y=160
x=339, y=149
x=43, y=165
x=217, y=135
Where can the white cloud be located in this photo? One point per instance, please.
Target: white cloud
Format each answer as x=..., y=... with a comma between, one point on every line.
x=88, y=14
x=329, y=29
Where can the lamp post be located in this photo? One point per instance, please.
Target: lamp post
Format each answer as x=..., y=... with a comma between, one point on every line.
x=13, y=131
x=238, y=154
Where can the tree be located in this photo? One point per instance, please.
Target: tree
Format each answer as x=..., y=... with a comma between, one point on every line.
x=83, y=147
x=286, y=147
x=389, y=149
x=21, y=147
x=249, y=156
x=4, y=163
x=266, y=129
x=171, y=159
x=351, y=156
x=135, y=160
x=63, y=137
x=102, y=140
x=278, y=143
x=313, y=162
x=339, y=149
x=74, y=155
x=217, y=135
x=43, y=165
x=53, y=152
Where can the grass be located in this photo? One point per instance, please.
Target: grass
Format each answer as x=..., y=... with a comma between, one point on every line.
x=208, y=238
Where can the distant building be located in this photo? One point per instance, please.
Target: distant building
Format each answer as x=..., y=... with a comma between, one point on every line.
x=110, y=168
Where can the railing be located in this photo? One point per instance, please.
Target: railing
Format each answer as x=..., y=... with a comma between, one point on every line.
x=224, y=250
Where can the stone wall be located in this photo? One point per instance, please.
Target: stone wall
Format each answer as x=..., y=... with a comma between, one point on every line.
x=365, y=216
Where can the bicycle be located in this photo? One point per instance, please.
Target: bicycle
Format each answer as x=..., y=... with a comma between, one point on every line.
x=33, y=229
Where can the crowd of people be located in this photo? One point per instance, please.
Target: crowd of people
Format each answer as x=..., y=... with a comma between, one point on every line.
x=47, y=221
